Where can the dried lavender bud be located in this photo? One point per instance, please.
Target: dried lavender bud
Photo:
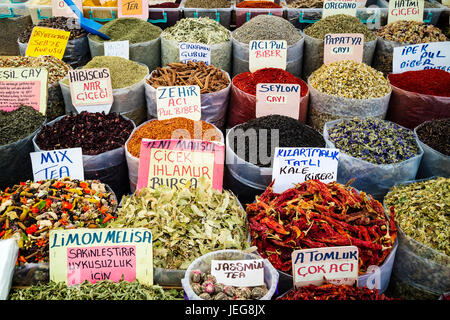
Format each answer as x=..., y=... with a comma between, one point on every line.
x=258, y=292
x=230, y=291
x=205, y=296
x=197, y=288
x=196, y=276
x=218, y=287
x=221, y=296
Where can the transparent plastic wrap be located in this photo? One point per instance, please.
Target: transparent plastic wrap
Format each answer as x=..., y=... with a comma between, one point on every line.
x=15, y=162
x=293, y=61
x=214, y=105
x=109, y=167
x=30, y=274
x=433, y=162
x=203, y=263
x=374, y=179
x=133, y=167
x=324, y=107
x=9, y=251
x=410, y=109
x=220, y=53
x=242, y=107
x=77, y=52
x=384, y=53
x=313, y=54
x=148, y=53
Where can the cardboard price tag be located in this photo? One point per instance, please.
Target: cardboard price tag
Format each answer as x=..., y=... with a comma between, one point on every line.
x=433, y=55
x=281, y=99
x=297, y=165
x=61, y=9
x=338, y=265
x=101, y=254
x=195, y=52
x=27, y=86
x=91, y=89
x=343, y=46
x=133, y=9
x=239, y=273
x=47, y=42
x=407, y=10
x=332, y=7
x=179, y=101
x=267, y=54
x=117, y=48
x=175, y=162
x=57, y=164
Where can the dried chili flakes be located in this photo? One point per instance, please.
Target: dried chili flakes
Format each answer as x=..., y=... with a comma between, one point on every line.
x=314, y=214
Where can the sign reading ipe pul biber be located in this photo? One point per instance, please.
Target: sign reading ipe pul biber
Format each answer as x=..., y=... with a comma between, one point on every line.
x=343, y=46
x=239, y=273
x=176, y=162
x=133, y=9
x=278, y=98
x=338, y=265
x=267, y=54
x=179, y=101
x=332, y=7
x=407, y=10
x=101, y=254
x=433, y=55
x=47, y=42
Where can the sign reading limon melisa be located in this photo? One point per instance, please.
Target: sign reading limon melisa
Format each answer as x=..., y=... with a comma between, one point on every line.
x=407, y=10
x=433, y=55
x=267, y=54
x=276, y=98
x=343, y=46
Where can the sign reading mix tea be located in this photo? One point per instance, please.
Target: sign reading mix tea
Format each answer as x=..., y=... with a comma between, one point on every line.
x=133, y=9
x=195, y=52
x=433, y=55
x=338, y=265
x=278, y=98
x=267, y=54
x=27, y=86
x=407, y=10
x=343, y=46
x=332, y=7
x=57, y=164
x=179, y=101
x=101, y=254
x=239, y=273
x=47, y=42
x=176, y=162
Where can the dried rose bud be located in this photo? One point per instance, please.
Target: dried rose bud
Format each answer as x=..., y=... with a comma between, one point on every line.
x=197, y=288
x=258, y=292
x=218, y=287
x=205, y=296
x=208, y=287
x=221, y=296
x=211, y=278
x=229, y=290
x=196, y=276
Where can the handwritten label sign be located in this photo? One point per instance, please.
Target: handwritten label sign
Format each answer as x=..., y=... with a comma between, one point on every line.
x=61, y=9
x=47, y=42
x=296, y=165
x=195, y=52
x=267, y=54
x=91, y=89
x=117, y=48
x=179, y=101
x=407, y=10
x=433, y=55
x=281, y=99
x=57, y=164
x=101, y=254
x=239, y=273
x=343, y=46
x=26, y=86
x=176, y=162
x=332, y=7
x=133, y=9
x=338, y=265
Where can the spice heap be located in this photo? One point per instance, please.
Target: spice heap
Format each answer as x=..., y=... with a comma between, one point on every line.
x=208, y=78
x=207, y=4
x=62, y=23
x=304, y=3
x=56, y=68
x=334, y=292
x=435, y=135
x=313, y=215
x=412, y=32
x=167, y=129
x=433, y=82
x=350, y=79
x=339, y=23
x=29, y=210
x=101, y=290
x=132, y=29
x=197, y=30
x=205, y=286
x=374, y=140
x=290, y=132
x=422, y=211
x=247, y=81
x=165, y=5
x=267, y=27
x=185, y=223
x=95, y=133
x=19, y=123
x=257, y=4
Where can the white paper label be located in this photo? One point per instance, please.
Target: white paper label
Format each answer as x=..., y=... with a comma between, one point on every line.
x=332, y=7
x=239, y=273
x=433, y=55
x=117, y=48
x=57, y=164
x=178, y=101
x=282, y=99
x=195, y=52
x=406, y=10
x=297, y=165
x=267, y=54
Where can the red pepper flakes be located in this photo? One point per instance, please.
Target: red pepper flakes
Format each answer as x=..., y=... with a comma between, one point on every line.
x=31, y=229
